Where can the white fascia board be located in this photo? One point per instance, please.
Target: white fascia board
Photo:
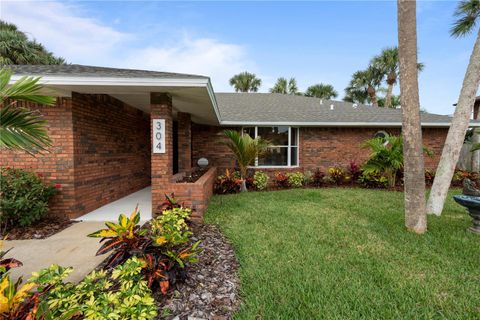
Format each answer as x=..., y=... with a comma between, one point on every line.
x=211, y=93
x=334, y=124
x=116, y=81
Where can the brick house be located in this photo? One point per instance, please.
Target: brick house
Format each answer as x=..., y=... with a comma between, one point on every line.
x=118, y=131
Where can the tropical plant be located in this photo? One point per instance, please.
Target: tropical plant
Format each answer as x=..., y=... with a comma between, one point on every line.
x=281, y=179
x=16, y=300
x=260, y=180
x=24, y=198
x=373, y=180
x=363, y=83
x=394, y=102
x=336, y=175
x=295, y=179
x=468, y=14
x=354, y=170
x=246, y=150
x=170, y=228
x=22, y=128
x=285, y=86
x=16, y=48
x=227, y=183
x=387, y=61
x=7, y=264
x=318, y=178
x=125, y=238
x=245, y=82
x=170, y=202
x=322, y=91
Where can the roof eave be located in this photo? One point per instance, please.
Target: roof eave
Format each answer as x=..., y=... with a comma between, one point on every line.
x=335, y=124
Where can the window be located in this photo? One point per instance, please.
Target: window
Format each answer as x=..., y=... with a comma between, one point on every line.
x=283, y=151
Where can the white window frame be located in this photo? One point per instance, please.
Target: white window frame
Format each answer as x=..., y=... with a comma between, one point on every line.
x=289, y=147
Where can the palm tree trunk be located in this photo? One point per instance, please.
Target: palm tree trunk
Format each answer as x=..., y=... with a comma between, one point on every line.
x=243, y=176
x=414, y=172
x=373, y=96
x=456, y=133
x=475, y=154
x=388, y=96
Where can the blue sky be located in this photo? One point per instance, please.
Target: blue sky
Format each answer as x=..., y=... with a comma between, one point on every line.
x=311, y=41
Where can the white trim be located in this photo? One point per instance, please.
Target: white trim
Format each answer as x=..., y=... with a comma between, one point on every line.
x=116, y=81
x=273, y=167
x=334, y=124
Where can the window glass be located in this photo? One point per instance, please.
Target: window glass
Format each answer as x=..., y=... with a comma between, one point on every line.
x=275, y=156
x=277, y=136
x=294, y=137
x=293, y=156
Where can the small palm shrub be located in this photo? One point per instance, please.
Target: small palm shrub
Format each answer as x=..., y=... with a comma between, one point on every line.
x=260, y=180
x=281, y=180
x=296, y=179
x=24, y=197
x=336, y=175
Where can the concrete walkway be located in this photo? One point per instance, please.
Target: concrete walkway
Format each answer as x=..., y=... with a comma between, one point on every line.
x=111, y=211
x=69, y=248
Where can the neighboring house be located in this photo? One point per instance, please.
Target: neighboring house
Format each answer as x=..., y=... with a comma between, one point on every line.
x=101, y=129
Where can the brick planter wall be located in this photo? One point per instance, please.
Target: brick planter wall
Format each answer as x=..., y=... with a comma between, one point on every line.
x=195, y=195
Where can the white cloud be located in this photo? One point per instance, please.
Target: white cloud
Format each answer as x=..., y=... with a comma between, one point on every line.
x=68, y=32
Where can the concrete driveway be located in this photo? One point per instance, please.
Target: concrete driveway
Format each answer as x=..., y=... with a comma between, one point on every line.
x=69, y=248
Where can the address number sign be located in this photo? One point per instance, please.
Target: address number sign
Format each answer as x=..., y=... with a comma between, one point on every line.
x=158, y=136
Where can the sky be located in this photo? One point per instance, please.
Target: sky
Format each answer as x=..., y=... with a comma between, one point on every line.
x=316, y=41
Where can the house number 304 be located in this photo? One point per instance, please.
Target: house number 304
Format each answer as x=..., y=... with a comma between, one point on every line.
x=158, y=140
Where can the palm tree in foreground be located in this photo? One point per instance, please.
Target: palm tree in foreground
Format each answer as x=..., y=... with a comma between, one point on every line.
x=468, y=13
x=246, y=150
x=21, y=128
x=413, y=167
x=245, y=82
x=322, y=91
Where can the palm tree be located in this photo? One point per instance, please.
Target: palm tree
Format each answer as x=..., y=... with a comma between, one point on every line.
x=285, y=86
x=414, y=170
x=16, y=48
x=394, y=101
x=246, y=150
x=21, y=128
x=322, y=91
x=245, y=82
x=387, y=61
x=468, y=13
x=366, y=81
x=356, y=95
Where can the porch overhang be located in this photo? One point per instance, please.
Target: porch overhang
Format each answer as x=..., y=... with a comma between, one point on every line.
x=190, y=95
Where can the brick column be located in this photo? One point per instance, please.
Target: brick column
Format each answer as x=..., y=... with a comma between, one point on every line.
x=162, y=163
x=184, y=141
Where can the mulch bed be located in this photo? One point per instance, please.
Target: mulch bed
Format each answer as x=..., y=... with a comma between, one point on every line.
x=41, y=230
x=211, y=289
x=193, y=176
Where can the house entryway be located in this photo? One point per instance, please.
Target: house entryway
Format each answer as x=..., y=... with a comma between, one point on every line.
x=111, y=211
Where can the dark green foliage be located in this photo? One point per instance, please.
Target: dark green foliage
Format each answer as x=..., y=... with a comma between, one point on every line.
x=24, y=198
x=373, y=180
x=227, y=183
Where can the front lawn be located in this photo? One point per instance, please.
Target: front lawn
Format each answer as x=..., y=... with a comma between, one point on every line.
x=345, y=254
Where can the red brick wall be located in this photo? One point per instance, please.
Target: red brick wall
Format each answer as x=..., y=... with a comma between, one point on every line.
x=319, y=147
x=112, y=150
x=57, y=165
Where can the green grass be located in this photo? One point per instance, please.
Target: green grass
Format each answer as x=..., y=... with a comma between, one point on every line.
x=345, y=254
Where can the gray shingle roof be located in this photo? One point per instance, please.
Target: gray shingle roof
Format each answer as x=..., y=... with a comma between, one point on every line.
x=274, y=107
x=78, y=70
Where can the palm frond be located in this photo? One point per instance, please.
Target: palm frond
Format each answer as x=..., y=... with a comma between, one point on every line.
x=25, y=89
x=23, y=129
x=467, y=12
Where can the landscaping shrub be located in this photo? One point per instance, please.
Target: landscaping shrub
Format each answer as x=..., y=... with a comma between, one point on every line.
x=260, y=180
x=308, y=178
x=336, y=175
x=227, y=183
x=24, y=197
x=354, y=170
x=459, y=175
x=318, y=178
x=373, y=180
x=295, y=179
x=281, y=180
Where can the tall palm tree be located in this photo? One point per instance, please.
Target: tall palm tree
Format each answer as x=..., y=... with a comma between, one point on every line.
x=356, y=95
x=387, y=61
x=16, y=48
x=285, y=86
x=21, y=128
x=245, y=82
x=246, y=150
x=322, y=91
x=394, y=101
x=367, y=81
x=468, y=14
x=414, y=171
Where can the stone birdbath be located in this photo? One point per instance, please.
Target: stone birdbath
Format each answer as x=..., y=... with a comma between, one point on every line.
x=471, y=200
